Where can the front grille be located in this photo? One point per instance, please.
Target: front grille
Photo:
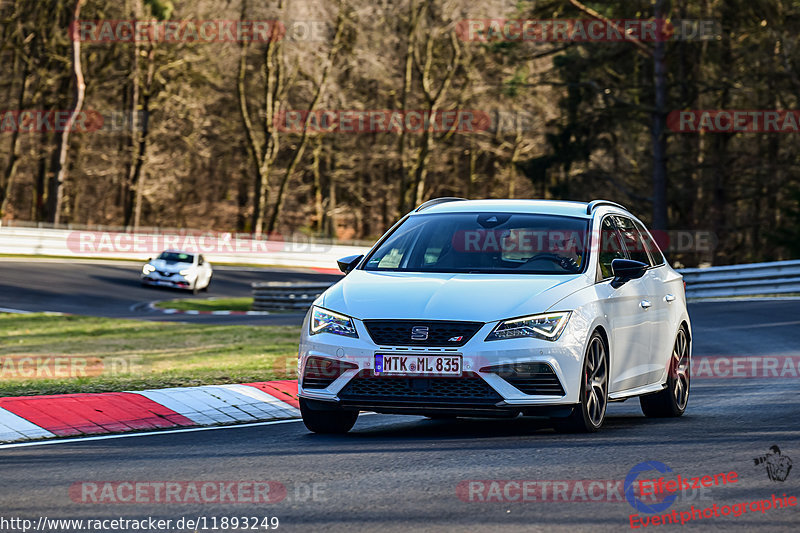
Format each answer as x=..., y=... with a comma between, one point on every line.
x=439, y=333
x=165, y=274
x=467, y=389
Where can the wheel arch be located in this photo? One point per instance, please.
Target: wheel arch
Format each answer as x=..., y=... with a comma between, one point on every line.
x=599, y=326
x=602, y=330
x=685, y=325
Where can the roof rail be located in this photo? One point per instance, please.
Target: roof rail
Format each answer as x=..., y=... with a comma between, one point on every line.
x=436, y=201
x=591, y=206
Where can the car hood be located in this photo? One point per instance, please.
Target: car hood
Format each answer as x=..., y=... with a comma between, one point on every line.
x=474, y=297
x=170, y=266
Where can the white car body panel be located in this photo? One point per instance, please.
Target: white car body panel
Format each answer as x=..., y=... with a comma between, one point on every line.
x=471, y=297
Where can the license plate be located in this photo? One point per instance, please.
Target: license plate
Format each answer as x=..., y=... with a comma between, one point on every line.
x=417, y=365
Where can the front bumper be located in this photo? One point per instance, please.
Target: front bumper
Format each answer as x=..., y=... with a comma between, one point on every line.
x=175, y=280
x=475, y=393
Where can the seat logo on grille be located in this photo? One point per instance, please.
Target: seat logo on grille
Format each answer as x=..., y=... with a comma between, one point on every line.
x=419, y=333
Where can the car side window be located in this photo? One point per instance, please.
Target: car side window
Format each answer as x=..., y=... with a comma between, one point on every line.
x=200, y=260
x=610, y=247
x=632, y=240
x=656, y=257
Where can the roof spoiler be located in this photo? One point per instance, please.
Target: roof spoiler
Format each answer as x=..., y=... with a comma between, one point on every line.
x=436, y=201
x=594, y=204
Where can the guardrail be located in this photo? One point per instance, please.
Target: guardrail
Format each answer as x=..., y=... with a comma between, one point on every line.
x=218, y=247
x=775, y=278
x=286, y=296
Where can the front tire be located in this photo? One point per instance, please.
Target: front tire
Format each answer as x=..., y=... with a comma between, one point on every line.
x=588, y=416
x=327, y=421
x=672, y=401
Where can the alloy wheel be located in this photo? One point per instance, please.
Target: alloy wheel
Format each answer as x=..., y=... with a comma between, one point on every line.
x=596, y=381
x=680, y=370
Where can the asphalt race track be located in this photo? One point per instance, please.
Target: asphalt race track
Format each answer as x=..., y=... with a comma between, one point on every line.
x=403, y=473
x=112, y=289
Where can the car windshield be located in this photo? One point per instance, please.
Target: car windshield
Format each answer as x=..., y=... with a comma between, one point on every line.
x=485, y=243
x=176, y=257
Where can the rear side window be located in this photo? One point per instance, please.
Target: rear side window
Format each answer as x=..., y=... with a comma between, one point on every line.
x=656, y=257
x=632, y=240
x=610, y=247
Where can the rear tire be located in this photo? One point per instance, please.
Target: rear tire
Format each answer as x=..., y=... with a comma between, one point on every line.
x=672, y=401
x=588, y=416
x=327, y=421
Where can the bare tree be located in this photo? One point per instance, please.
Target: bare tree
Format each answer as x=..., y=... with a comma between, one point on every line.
x=80, y=91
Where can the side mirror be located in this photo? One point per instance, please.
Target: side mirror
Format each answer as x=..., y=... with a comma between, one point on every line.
x=347, y=264
x=625, y=270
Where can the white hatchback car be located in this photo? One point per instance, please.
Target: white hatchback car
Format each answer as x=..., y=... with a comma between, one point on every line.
x=177, y=269
x=500, y=308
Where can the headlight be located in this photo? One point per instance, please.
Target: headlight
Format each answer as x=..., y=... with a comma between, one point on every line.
x=547, y=326
x=148, y=268
x=185, y=272
x=324, y=321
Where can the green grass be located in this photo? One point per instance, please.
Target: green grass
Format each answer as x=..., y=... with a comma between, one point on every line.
x=114, y=355
x=210, y=304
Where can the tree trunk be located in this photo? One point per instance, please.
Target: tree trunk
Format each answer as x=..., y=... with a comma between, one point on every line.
x=130, y=179
x=298, y=154
x=13, y=151
x=80, y=90
x=138, y=176
x=659, y=128
x=262, y=156
x=319, y=213
x=434, y=100
x=719, y=151
x=415, y=14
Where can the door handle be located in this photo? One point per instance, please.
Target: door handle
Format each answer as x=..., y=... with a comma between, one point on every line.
x=669, y=298
x=645, y=304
